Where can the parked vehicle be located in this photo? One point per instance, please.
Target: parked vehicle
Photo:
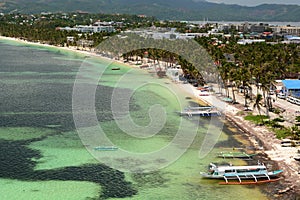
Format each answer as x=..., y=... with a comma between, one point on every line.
x=281, y=96
x=297, y=101
x=293, y=100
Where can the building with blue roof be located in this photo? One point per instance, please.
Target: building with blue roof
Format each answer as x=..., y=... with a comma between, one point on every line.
x=291, y=88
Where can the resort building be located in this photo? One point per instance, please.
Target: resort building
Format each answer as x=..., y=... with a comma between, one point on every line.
x=97, y=27
x=257, y=28
x=249, y=41
x=170, y=34
x=244, y=28
x=291, y=88
x=224, y=27
x=288, y=30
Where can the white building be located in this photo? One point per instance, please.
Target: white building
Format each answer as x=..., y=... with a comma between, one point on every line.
x=159, y=34
x=289, y=30
x=98, y=27
x=109, y=29
x=94, y=29
x=248, y=41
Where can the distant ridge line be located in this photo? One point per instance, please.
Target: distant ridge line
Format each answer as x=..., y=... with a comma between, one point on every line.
x=165, y=10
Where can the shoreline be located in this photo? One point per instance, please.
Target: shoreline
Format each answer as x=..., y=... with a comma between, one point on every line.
x=270, y=148
x=72, y=49
x=271, y=145
x=257, y=135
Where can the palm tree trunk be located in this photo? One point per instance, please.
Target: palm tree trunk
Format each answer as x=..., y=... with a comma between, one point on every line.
x=270, y=104
x=245, y=95
x=233, y=94
x=265, y=102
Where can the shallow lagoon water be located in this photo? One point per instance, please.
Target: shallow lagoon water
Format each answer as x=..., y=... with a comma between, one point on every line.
x=36, y=113
x=13, y=189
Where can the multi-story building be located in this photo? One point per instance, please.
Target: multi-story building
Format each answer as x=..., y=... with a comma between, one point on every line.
x=257, y=28
x=244, y=28
x=95, y=28
x=224, y=27
x=286, y=30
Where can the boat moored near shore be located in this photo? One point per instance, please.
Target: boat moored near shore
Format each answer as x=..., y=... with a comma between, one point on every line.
x=200, y=111
x=255, y=174
x=106, y=148
x=240, y=155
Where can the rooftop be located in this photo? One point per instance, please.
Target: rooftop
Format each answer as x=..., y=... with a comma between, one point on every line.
x=291, y=84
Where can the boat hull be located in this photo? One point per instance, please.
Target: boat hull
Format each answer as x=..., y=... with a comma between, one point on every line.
x=272, y=174
x=202, y=114
x=106, y=148
x=236, y=155
x=250, y=182
x=209, y=176
x=241, y=174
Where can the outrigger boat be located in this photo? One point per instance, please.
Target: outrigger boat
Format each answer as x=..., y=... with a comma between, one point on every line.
x=115, y=68
x=106, y=148
x=254, y=174
x=207, y=111
x=201, y=113
x=241, y=155
x=199, y=108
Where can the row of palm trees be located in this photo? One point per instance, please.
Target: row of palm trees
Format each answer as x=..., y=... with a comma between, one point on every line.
x=254, y=65
x=192, y=59
x=257, y=64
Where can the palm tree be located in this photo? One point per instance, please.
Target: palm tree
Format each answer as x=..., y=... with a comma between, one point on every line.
x=233, y=78
x=224, y=73
x=257, y=105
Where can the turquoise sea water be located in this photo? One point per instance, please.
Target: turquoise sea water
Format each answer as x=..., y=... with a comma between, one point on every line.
x=42, y=156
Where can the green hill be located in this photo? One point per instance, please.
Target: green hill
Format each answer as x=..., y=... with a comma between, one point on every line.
x=162, y=9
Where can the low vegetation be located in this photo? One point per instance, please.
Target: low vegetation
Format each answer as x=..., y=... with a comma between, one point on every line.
x=257, y=119
x=274, y=125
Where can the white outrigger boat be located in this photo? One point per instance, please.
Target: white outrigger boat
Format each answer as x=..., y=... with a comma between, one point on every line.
x=207, y=111
x=199, y=108
x=255, y=173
